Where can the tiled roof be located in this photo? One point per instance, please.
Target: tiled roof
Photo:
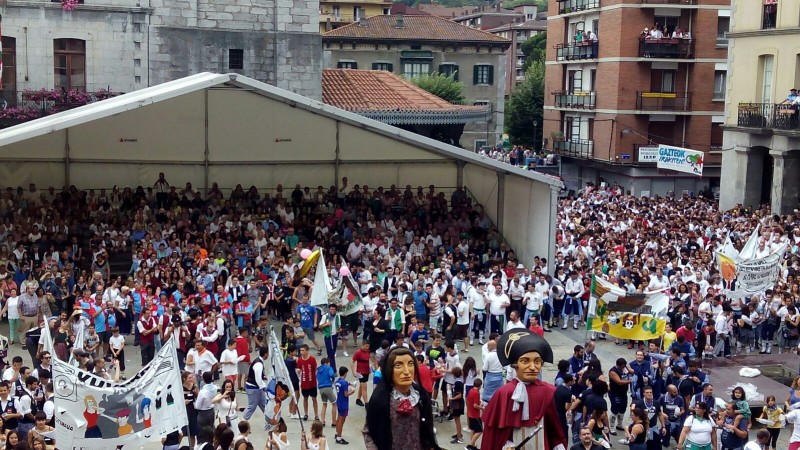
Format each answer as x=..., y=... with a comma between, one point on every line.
x=415, y=28
x=379, y=94
x=441, y=11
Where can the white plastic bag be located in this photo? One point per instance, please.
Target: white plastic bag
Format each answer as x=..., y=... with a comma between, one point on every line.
x=750, y=392
x=749, y=372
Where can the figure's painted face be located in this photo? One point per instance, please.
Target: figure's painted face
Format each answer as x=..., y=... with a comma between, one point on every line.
x=528, y=366
x=403, y=372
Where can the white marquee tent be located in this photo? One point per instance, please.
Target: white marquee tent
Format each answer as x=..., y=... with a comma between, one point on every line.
x=233, y=130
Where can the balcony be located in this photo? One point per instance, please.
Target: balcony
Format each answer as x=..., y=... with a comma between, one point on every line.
x=669, y=2
x=570, y=6
x=722, y=40
x=337, y=18
x=663, y=101
x=676, y=48
x=29, y=105
x=578, y=148
x=575, y=99
x=576, y=51
x=768, y=115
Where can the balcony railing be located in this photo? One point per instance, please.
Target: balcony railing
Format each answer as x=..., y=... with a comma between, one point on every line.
x=568, y=6
x=579, y=148
x=576, y=51
x=575, y=99
x=663, y=101
x=722, y=40
x=669, y=2
x=666, y=48
x=29, y=105
x=768, y=115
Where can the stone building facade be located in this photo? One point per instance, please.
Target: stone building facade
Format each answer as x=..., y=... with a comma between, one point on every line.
x=127, y=45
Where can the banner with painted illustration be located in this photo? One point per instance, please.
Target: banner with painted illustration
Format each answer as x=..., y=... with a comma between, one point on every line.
x=344, y=292
x=615, y=312
x=749, y=271
x=93, y=413
x=680, y=159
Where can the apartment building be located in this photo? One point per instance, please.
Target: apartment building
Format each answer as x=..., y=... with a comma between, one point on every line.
x=336, y=13
x=761, y=142
x=616, y=90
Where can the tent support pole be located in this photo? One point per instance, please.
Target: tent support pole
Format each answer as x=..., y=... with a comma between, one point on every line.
x=336, y=161
x=501, y=199
x=66, y=158
x=205, y=154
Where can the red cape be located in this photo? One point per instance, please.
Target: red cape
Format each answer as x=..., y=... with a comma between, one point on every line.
x=500, y=421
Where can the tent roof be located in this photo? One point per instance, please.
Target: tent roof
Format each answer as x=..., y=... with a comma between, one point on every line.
x=203, y=81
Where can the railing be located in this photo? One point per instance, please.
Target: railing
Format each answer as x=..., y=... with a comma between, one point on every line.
x=30, y=105
x=663, y=101
x=768, y=115
x=666, y=48
x=718, y=96
x=568, y=6
x=669, y=2
x=722, y=40
x=579, y=148
x=576, y=51
x=335, y=18
x=575, y=99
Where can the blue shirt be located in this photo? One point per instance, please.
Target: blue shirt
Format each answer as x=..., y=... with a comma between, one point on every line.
x=419, y=304
x=342, y=401
x=306, y=313
x=575, y=365
x=325, y=376
x=100, y=322
x=416, y=335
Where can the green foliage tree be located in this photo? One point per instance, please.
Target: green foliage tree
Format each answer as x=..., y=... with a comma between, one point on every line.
x=524, y=108
x=540, y=4
x=443, y=86
x=535, y=49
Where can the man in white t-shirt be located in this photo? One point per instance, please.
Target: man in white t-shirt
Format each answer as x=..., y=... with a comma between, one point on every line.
x=229, y=360
x=462, y=319
x=477, y=299
x=498, y=301
x=199, y=360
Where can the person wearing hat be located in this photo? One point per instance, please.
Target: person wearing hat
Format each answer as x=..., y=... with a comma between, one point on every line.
x=517, y=409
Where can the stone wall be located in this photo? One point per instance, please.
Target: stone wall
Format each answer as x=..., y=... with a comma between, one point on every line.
x=132, y=44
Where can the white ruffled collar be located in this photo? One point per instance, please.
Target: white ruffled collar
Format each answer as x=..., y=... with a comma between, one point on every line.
x=413, y=396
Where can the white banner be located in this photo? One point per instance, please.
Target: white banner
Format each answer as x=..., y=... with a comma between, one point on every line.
x=648, y=155
x=680, y=159
x=745, y=278
x=93, y=413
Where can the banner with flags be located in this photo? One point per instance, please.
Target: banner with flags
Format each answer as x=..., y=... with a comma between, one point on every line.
x=279, y=383
x=344, y=294
x=97, y=414
x=613, y=311
x=745, y=274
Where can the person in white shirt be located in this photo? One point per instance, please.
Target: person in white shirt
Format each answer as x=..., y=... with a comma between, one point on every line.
x=498, y=302
x=533, y=303
x=462, y=319
x=477, y=298
x=199, y=360
x=514, y=322
x=229, y=361
x=723, y=329
x=572, y=305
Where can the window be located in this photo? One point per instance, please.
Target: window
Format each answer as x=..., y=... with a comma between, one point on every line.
x=347, y=64
x=769, y=18
x=387, y=11
x=449, y=69
x=9, y=74
x=235, y=59
x=382, y=65
x=575, y=80
x=723, y=26
x=337, y=12
x=765, y=78
x=358, y=13
x=413, y=68
x=483, y=74
x=719, y=84
x=481, y=103
x=669, y=21
x=662, y=80
x=69, y=64
x=479, y=144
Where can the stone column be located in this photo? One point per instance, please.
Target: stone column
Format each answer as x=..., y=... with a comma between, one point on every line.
x=785, y=181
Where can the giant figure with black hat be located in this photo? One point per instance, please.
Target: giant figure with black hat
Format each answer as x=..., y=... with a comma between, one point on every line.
x=522, y=414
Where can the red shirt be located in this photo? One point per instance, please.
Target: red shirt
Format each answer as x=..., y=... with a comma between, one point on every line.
x=243, y=348
x=537, y=329
x=308, y=372
x=473, y=398
x=688, y=335
x=426, y=378
x=362, y=361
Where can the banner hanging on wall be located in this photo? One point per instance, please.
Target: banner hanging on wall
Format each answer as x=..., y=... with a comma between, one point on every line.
x=680, y=159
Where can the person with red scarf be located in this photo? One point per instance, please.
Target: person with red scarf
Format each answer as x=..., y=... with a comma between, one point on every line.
x=522, y=414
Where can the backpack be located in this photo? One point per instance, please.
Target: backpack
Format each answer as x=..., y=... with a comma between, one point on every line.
x=248, y=444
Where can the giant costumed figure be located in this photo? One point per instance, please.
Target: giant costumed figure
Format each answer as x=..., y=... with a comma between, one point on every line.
x=522, y=414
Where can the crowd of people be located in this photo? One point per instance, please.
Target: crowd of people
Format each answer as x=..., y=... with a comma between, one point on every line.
x=435, y=278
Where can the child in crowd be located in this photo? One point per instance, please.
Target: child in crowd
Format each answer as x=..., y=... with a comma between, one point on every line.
x=741, y=407
x=343, y=393
x=457, y=404
x=772, y=414
x=474, y=410
x=117, y=347
x=229, y=361
x=326, y=377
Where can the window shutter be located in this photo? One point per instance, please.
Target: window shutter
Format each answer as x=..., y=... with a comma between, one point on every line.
x=441, y=68
x=475, y=70
x=491, y=74
x=354, y=65
x=390, y=67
